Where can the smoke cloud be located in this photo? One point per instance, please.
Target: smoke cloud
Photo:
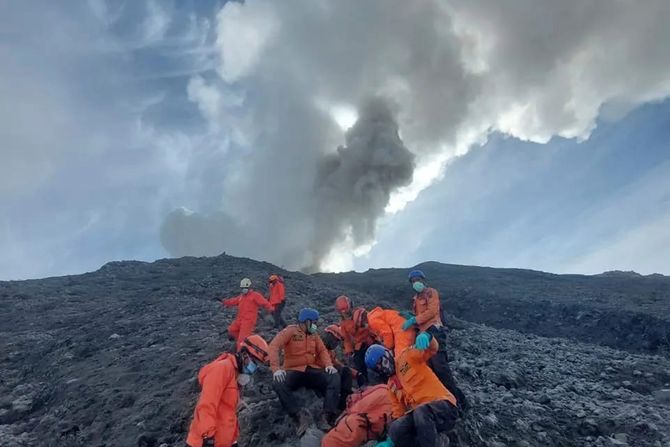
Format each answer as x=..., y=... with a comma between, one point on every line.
x=454, y=72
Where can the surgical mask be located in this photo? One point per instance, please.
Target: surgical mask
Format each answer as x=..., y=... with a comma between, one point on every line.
x=243, y=379
x=245, y=291
x=312, y=328
x=418, y=286
x=250, y=368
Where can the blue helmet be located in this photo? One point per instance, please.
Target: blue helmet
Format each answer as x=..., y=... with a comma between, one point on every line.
x=308, y=314
x=416, y=274
x=373, y=354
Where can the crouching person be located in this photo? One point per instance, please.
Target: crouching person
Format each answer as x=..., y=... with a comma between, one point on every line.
x=422, y=406
x=365, y=419
x=215, y=417
x=332, y=337
x=304, y=352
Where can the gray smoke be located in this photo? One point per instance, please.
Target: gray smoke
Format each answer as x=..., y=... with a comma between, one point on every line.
x=355, y=183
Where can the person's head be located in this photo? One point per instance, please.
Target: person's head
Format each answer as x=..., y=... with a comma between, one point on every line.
x=344, y=306
x=380, y=360
x=417, y=280
x=307, y=319
x=360, y=317
x=252, y=352
x=332, y=337
x=273, y=279
x=245, y=285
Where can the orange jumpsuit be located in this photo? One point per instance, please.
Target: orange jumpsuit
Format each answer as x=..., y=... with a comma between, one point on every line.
x=365, y=418
x=216, y=411
x=300, y=350
x=427, y=308
x=277, y=293
x=354, y=338
x=247, y=314
x=386, y=325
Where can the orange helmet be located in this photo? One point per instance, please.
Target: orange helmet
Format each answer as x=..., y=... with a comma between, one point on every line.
x=256, y=346
x=360, y=318
x=342, y=303
x=335, y=331
x=273, y=278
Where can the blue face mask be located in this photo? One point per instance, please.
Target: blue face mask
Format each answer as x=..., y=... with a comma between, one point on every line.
x=418, y=286
x=250, y=368
x=312, y=328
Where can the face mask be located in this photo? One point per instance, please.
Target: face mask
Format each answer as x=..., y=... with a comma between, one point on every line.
x=311, y=328
x=243, y=379
x=245, y=291
x=250, y=368
x=418, y=286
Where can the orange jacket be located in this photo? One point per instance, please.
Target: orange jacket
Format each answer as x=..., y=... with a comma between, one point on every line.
x=386, y=325
x=300, y=350
x=427, y=308
x=374, y=405
x=277, y=293
x=248, y=305
x=216, y=411
x=414, y=382
x=354, y=339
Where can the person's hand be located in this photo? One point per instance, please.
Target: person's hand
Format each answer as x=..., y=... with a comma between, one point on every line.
x=422, y=341
x=331, y=370
x=408, y=323
x=208, y=442
x=386, y=443
x=279, y=376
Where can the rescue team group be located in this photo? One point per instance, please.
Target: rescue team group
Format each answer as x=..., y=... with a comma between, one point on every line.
x=405, y=395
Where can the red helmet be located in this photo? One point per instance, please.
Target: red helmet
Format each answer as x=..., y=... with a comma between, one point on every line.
x=342, y=303
x=335, y=331
x=256, y=346
x=360, y=317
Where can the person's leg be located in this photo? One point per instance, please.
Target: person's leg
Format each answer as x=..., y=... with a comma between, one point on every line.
x=402, y=431
x=234, y=330
x=328, y=384
x=247, y=328
x=346, y=383
x=284, y=390
x=279, y=319
x=439, y=363
x=431, y=418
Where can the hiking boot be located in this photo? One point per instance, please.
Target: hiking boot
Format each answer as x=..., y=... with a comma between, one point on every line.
x=302, y=421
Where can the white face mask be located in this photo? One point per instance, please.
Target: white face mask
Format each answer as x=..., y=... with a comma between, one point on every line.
x=245, y=291
x=243, y=379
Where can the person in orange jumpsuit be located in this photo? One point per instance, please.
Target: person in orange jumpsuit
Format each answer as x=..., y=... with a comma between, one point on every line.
x=421, y=406
x=428, y=319
x=278, y=299
x=247, y=304
x=332, y=337
x=356, y=335
x=386, y=326
x=365, y=418
x=215, y=417
x=304, y=358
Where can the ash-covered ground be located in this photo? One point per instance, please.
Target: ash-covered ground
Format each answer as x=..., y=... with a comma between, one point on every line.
x=110, y=358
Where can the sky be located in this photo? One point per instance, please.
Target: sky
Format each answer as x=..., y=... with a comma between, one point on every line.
x=323, y=135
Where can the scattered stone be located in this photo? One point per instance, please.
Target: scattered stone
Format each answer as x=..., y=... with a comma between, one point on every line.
x=114, y=336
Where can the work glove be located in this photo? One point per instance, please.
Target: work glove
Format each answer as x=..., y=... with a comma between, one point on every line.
x=279, y=376
x=422, y=341
x=386, y=443
x=408, y=323
x=406, y=314
x=331, y=370
x=207, y=442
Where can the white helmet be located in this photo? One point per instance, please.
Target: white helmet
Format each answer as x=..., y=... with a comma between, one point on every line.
x=245, y=283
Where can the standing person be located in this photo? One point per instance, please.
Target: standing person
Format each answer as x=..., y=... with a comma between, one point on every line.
x=278, y=299
x=332, y=337
x=247, y=304
x=365, y=418
x=422, y=406
x=304, y=353
x=215, y=417
x=427, y=319
x=356, y=335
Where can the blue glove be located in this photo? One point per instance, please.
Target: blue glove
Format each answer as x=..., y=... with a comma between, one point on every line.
x=386, y=443
x=422, y=341
x=408, y=323
x=406, y=314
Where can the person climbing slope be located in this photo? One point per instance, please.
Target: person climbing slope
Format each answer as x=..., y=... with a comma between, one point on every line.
x=332, y=337
x=365, y=418
x=215, y=421
x=427, y=319
x=277, y=299
x=304, y=354
x=356, y=335
x=247, y=304
x=422, y=406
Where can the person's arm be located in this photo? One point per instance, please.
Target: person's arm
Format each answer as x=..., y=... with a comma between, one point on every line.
x=417, y=356
x=397, y=407
x=432, y=309
x=347, y=343
x=213, y=386
x=260, y=301
x=322, y=353
x=276, y=345
x=231, y=302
